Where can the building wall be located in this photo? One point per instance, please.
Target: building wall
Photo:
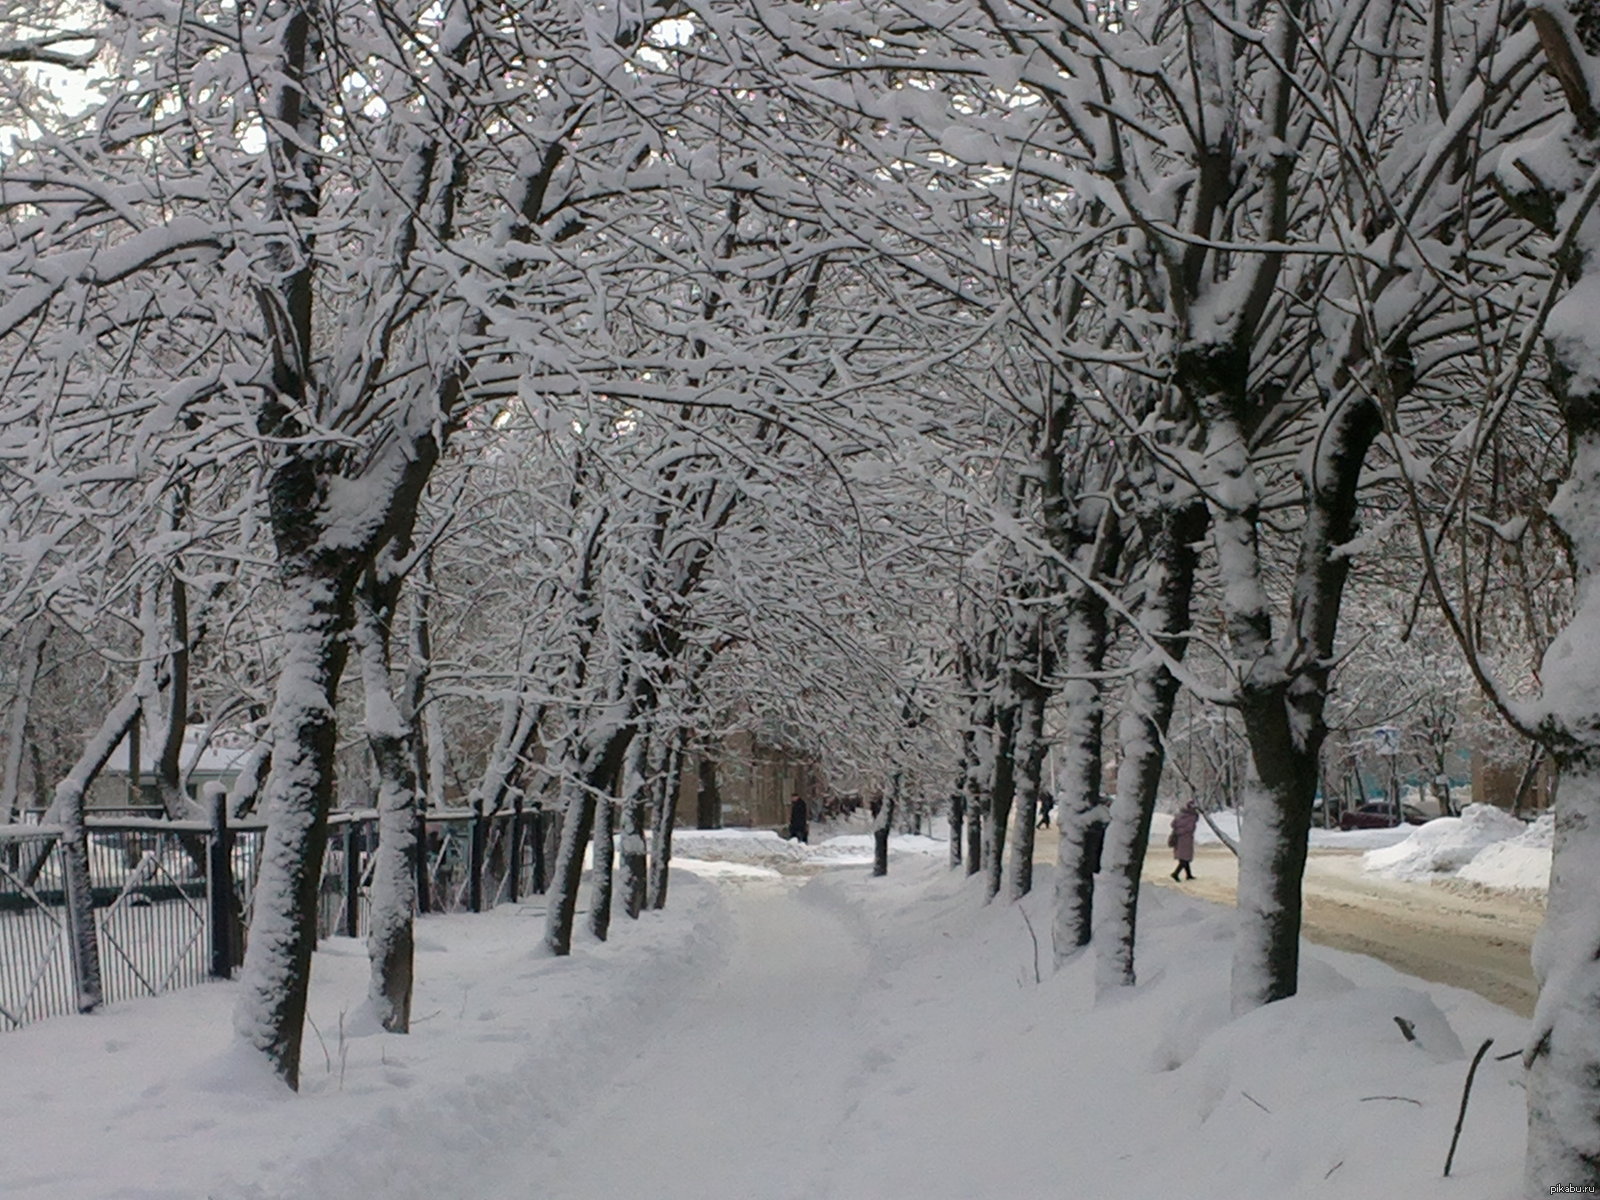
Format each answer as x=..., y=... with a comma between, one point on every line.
x=755, y=783
x=1494, y=781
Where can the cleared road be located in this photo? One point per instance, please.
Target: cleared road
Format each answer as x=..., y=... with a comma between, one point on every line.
x=1469, y=938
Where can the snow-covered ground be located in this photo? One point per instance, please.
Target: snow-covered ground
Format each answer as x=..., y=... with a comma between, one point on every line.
x=783, y=1035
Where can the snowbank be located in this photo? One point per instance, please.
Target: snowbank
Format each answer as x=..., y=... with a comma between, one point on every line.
x=1158, y=1091
x=1521, y=863
x=1445, y=845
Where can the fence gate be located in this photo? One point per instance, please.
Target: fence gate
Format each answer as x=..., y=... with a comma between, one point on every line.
x=150, y=910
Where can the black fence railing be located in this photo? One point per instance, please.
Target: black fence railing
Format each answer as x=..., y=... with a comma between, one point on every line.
x=172, y=899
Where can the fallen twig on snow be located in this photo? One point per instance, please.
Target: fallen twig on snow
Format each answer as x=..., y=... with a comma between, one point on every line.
x=1466, y=1092
x=1035, y=939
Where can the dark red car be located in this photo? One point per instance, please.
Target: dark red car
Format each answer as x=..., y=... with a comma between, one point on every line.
x=1380, y=815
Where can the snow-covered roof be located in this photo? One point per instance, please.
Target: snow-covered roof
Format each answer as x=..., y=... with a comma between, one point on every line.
x=223, y=755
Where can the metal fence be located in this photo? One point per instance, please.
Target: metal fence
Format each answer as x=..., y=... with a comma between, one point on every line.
x=172, y=899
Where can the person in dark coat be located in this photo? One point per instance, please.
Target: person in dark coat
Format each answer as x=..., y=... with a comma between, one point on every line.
x=799, y=820
x=1181, y=839
x=1046, y=803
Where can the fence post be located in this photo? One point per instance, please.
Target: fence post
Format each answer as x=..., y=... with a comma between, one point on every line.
x=219, y=878
x=83, y=945
x=475, y=863
x=424, y=900
x=514, y=867
x=352, y=878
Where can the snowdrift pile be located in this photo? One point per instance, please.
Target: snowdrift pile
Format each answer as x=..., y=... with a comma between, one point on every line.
x=1522, y=863
x=752, y=847
x=1446, y=845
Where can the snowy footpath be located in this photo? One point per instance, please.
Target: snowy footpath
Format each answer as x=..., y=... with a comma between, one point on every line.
x=789, y=1029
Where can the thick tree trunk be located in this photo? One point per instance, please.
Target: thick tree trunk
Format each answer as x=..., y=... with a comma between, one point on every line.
x=390, y=937
x=708, y=801
x=169, y=784
x=601, y=872
x=391, y=736
x=666, y=819
x=1283, y=687
x=83, y=941
x=1142, y=737
x=1563, y=1052
x=979, y=774
x=1276, y=825
x=882, y=826
x=997, y=814
x=277, y=968
x=974, y=856
x=1080, y=814
x=585, y=789
x=643, y=766
x=30, y=659
x=1028, y=756
x=577, y=820
x=956, y=812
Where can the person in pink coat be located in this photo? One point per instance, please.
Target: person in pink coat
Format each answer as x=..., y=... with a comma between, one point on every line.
x=1182, y=839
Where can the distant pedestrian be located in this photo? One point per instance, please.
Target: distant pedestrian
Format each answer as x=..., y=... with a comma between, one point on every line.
x=1046, y=803
x=799, y=820
x=1181, y=839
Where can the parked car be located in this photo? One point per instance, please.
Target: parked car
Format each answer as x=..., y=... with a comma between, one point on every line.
x=1380, y=815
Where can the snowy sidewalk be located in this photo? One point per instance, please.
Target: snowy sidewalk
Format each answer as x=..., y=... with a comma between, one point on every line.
x=782, y=1037
x=733, y=1094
